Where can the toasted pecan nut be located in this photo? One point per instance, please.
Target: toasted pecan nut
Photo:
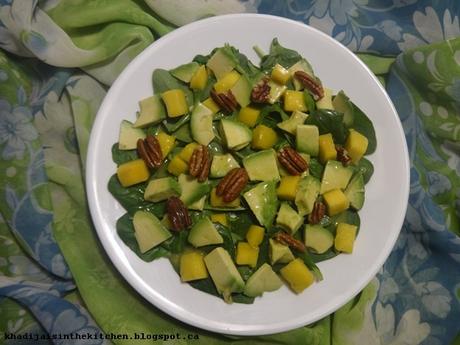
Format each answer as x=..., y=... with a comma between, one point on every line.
x=288, y=240
x=292, y=161
x=226, y=100
x=318, y=212
x=261, y=91
x=342, y=155
x=311, y=83
x=230, y=187
x=200, y=162
x=150, y=151
x=178, y=214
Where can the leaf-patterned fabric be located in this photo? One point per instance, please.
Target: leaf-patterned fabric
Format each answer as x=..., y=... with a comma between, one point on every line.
x=57, y=60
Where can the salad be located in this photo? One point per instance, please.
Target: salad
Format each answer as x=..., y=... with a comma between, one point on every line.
x=243, y=176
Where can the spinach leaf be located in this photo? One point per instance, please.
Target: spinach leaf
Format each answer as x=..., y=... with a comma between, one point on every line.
x=315, y=168
x=123, y=156
x=329, y=121
x=229, y=244
x=364, y=125
x=125, y=230
x=309, y=101
x=176, y=243
x=183, y=134
x=348, y=216
x=240, y=222
x=173, y=125
x=207, y=285
x=201, y=95
x=163, y=80
x=244, y=65
x=366, y=168
x=324, y=256
x=278, y=54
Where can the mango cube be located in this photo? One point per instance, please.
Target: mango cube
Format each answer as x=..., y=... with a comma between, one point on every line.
x=167, y=143
x=288, y=187
x=217, y=201
x=280, y=74
x=246, y=254
x=326, y=148
x=176, y=104
x=263, y=137
x=255, y=235
x=345, y=237
x=192, y=266
x=336, y=201
x=227, y=81
x=297, y=275
x=187, y=151
x=220, y=218
x=199, y=78
x=249, y=116
x=177, y=166
x=356, y=145
x=211, y=105
x=133, y=172
x=294, y=100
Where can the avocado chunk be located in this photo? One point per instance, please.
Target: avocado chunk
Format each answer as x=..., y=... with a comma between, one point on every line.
x=262, y=166
x=186, y=71
x=161, y=189
x=318, y=238
x=242, y=91
x=224, y=273
x=342, y=104
x=222, y=164
x=288, y=218
x=151, y=112
x=307, y=192
x=307, y=139
x=262, y=280
x=263, y=202
x=290, y=125
x=335, y=176
x=204, y=233
x=193, y=191
x=279, y=252
x=355, y=191
x=235, y=134
x=201, y=124
x=129, y=135
x=148, y=230
x=221, y=62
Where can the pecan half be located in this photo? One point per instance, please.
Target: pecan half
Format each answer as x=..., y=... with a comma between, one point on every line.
x=177, y=214
x=342, y=155
x=232, y=184
x=200, y=162
x=292, y=161
x=318, y=212
x=261, y=91
x=288, y=240
x=150, y=151
x=311, y=83
x=226, y=100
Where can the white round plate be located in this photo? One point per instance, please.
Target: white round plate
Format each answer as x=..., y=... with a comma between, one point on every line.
x=386, y=193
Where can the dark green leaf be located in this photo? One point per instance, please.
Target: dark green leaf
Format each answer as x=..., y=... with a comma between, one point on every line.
x=329, y=121
x=308, y=260
x=315, y=168
x=173, y=124
x=309, y=101
x=123, y=156
x=229, y=244
x=366, y=168
x=184, y=134
x=176, y=243
x=163, y=80
x=363, y=125
x=278, y=54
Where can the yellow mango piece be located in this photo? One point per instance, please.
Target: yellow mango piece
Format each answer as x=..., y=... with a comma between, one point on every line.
x=192, y=266
x=246, y=254
x=216, y=201
x=220, y=218
x=356, y=145
x=345, y=236
x=297, y=275
x=255, y=235
x=288, y=187
x=294, y=100
x=199, y=78
x=280, y=74
x=133, y=172
x=326, y=148
x=211, y=105
x=167, y=143
x=177, y=166
x=249, y=116
x=263, y=137
x=227, y=81
x=187, y=151
x=336, y=201
x=176, y=104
